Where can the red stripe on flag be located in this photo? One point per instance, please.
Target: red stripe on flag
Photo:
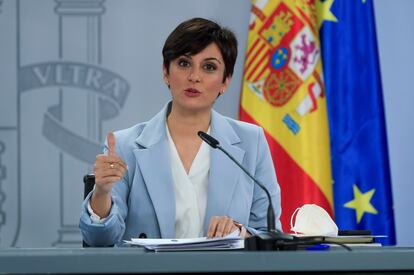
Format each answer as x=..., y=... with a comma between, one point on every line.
x=257, y=64
x=252, y=48
x=297, y=187
x=254, y=58
x=259, y=75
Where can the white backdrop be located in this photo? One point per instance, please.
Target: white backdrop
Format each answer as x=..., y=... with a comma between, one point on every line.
x=69, y=72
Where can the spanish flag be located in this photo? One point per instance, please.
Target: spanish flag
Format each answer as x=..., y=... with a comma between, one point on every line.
x=283, y=91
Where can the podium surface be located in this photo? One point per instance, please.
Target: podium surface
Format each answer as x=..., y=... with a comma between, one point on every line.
x=138, y=260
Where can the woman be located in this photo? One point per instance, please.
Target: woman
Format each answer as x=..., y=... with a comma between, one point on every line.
x=159, y=180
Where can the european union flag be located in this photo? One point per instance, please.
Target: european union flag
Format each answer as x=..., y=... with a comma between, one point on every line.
x=359, y=154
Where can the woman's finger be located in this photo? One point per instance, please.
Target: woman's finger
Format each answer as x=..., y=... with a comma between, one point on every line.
x=220, y=226
x=223, y=226
x=111, y=144
x=229, y=227
x=212, y=227
x=105, y=171
x=109, y=162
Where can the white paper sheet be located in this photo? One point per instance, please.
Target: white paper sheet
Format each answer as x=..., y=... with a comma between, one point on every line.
x=231, y=241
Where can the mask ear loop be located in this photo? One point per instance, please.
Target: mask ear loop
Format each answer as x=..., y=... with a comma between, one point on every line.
x=291, y=219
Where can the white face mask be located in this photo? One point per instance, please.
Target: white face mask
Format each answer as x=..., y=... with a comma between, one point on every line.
x=312, y=219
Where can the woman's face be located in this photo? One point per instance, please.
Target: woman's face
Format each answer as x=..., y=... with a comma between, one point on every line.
x=195, y=81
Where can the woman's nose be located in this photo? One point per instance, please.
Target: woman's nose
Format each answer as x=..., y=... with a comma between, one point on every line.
x=194, y=76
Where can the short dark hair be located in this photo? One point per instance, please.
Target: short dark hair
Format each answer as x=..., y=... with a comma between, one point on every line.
x=194, y=35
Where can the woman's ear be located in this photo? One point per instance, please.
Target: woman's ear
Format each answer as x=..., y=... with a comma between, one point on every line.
x=165, y=75
x=226, y=84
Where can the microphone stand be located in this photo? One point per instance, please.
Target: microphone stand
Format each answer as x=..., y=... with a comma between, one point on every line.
x=272, y=239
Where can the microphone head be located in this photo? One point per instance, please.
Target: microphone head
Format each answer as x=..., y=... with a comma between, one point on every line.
x=209, y=139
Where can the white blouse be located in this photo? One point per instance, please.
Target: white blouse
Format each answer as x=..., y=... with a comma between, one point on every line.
x=190, y=191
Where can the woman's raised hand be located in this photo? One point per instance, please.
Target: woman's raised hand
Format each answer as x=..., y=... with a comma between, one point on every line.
x=108, y=168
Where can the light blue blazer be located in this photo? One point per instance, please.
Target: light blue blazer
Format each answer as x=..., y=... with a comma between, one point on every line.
x=143, y=201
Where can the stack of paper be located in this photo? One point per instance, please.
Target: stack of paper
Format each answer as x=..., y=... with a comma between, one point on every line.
x=225, y=243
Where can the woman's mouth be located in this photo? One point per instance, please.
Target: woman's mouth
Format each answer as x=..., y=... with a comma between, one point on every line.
x=190, y=92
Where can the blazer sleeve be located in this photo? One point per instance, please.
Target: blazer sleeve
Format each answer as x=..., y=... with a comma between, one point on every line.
x=266, y=175
x=111, y=230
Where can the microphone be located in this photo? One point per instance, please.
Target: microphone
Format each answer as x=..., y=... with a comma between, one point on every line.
x=216, y=145
x=272, y=239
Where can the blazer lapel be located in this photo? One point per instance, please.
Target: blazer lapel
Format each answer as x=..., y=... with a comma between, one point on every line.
x=224, y=174
x=154, y=162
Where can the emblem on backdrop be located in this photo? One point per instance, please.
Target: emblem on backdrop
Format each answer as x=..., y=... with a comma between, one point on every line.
x=64, y=95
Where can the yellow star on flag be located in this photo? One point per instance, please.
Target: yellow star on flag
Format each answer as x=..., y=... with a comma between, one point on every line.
x=323, y=9
x=361, y=202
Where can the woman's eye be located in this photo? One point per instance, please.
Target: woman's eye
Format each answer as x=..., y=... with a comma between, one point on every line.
x=210, y=67
x=183, y=63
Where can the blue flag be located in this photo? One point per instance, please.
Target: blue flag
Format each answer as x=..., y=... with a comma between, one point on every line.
x=359, y=154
